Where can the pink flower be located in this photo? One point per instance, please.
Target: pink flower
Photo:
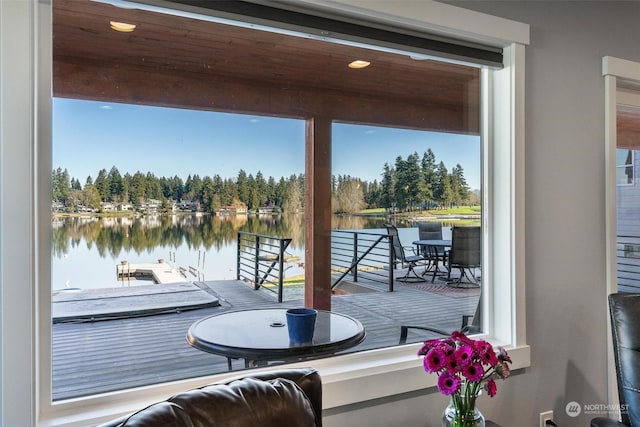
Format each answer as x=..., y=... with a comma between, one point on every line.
x=428, y=345
x=452, y=364
x=448, y=383
x=486, y=353
x=473, y=372
x=502, y=369
x=491, y=387
x=464, y=354
x=503, y=356
x=461, y=337
x=435, y=360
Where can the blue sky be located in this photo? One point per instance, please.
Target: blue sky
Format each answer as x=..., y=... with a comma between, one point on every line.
x=89, y=136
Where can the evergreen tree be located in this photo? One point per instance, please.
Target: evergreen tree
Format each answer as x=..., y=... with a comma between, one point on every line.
x=243, y=187
x=102, y=184
x=153, y=189
x=116, y=188
x=428, y=165
x=208, y=195
x=388, y=185
x=440, y=182
x=61, y=186
x=460, y=184
x=137, y=189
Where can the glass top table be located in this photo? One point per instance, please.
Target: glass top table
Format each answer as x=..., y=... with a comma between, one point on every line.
x=262, y=335
x=433, y=244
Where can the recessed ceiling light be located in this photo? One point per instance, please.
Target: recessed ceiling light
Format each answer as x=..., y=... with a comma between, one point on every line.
x=359, y=64
x=122, y=26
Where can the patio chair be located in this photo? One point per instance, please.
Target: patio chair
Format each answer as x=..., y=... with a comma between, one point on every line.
x=400, y=256
x=465, y=253
x=470, y=325
x=433, y=254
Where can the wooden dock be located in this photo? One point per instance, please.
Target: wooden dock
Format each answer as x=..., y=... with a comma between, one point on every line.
x=160, y=272
x=102, y=356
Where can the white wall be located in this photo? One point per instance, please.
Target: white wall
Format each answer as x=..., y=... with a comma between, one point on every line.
x=565, y=215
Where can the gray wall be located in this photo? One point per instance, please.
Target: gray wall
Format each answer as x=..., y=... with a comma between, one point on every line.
x=565, y=217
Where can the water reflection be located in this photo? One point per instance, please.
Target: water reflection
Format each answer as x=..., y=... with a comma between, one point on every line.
x=86, y=249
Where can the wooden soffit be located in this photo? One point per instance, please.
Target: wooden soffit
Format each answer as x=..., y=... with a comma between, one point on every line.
x=197, y=64
x=628, y=128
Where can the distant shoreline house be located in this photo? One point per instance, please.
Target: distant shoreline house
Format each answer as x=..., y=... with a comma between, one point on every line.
x=232, y=210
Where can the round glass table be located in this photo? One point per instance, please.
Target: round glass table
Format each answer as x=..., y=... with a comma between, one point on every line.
x=262, y=335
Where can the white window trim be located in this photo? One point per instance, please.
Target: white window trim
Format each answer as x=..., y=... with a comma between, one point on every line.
x=24, y=251
x=614, y=70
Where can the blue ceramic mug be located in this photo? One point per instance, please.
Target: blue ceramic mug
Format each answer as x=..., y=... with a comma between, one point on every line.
x=301, y=323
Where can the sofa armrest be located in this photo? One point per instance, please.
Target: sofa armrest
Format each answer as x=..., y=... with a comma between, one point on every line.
x=307, y=379
x=273, y=398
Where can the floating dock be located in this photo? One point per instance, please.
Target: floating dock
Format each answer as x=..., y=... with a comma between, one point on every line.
x=160, y=272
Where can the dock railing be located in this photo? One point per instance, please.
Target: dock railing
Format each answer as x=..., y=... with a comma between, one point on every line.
x=261, y=259
x=359, y=255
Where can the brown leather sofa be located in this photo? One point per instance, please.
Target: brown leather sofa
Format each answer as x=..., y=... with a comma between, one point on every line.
x=288, y=397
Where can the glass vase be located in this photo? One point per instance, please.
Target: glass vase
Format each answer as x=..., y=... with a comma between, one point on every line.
x=462, y=415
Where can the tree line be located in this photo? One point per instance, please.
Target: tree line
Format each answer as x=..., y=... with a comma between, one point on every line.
x=414, y=183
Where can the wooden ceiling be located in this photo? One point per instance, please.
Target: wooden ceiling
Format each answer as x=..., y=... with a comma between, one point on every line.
x=190, y=63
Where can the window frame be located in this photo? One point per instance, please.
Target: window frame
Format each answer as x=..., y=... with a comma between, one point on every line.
x=343, y=376
x=616, y=72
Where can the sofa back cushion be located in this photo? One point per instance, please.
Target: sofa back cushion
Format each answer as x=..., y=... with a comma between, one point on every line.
x=243, y=402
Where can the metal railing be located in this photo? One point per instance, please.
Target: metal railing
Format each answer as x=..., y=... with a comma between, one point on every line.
x=261, y=259
x=359, y=255
x=628, y=263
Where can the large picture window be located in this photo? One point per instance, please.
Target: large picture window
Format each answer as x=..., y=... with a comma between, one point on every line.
x=166, y=199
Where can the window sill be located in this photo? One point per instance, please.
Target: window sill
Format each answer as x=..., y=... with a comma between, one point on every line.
x=347, y=379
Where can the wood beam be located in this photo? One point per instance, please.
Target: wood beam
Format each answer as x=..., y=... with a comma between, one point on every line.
x=317, y=292
x=225, y=94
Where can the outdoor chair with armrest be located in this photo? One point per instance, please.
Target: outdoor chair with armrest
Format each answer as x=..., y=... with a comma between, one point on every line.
x=400, y=256
x=466, y=252
x=467, y=328
x=433, y=254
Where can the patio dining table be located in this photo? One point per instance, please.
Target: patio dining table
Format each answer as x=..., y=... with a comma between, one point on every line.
x=433, y=246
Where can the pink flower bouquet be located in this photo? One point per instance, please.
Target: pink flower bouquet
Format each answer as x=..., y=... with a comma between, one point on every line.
x=464, y=366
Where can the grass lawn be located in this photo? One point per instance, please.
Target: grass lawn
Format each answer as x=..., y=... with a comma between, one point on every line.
x=462, y=210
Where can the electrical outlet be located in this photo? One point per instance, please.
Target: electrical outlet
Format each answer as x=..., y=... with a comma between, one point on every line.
x=544, y=417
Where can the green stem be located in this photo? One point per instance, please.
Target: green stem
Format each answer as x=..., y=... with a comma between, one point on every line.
x=464, y=402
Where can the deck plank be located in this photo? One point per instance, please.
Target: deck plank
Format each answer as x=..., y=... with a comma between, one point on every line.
x=102, y=356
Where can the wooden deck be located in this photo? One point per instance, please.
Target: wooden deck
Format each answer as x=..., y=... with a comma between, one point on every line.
x=101, y=356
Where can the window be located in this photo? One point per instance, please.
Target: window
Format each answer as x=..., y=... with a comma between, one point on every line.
x=501, y=197
x=130, y=176
x=624, y=167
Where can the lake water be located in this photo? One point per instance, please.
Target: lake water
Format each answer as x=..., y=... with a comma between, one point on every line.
x=86, y=250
